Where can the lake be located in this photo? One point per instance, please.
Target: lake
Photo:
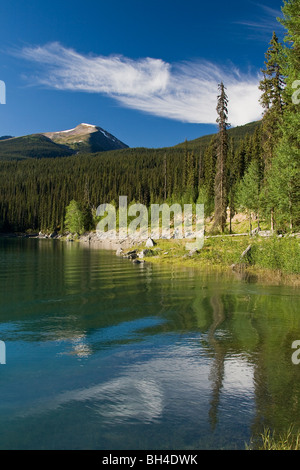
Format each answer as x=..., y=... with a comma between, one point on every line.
x=105, y=354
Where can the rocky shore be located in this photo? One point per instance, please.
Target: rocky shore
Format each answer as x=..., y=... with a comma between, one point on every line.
x=267, y=257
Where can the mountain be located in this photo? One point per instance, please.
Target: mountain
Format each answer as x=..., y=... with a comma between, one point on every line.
x=31, y=146
x=85, y=138
x=89, y=139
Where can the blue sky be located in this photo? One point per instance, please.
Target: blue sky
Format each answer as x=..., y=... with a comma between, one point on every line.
x=145, y=71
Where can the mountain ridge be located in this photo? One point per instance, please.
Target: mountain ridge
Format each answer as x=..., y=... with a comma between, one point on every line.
x=91, y=139
x=84, y=138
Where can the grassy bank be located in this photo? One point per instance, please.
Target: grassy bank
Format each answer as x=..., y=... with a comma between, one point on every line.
x=274, y=259
x=271, y=259
x=288, y=440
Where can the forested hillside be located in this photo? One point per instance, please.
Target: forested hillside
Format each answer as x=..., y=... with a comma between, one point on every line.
x=35, y=192
x=31, y=146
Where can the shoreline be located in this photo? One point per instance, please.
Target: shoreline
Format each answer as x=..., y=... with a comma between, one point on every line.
x=133, y=249
x=171, y=252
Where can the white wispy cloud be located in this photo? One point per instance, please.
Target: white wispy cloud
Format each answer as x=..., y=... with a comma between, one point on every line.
x=185, y=92
x=264, y=20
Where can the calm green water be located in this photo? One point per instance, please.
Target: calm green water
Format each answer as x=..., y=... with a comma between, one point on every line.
x=105, y=354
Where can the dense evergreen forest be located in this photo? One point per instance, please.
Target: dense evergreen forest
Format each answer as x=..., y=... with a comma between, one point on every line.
x=256, y=166
x=34, y=193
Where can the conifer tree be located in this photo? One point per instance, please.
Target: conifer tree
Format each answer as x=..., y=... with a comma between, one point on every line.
x=257, y=152
x=165, y=177
x=190, y=178
x=284, y=177
x=210, y=157
x=249, y=191
x=272, y=86
x=222, y=150
x=291, y=63
x=232, y=177
x=283, y=181
x=272, y=102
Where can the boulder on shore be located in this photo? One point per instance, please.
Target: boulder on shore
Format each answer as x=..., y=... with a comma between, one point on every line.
x=150, y=243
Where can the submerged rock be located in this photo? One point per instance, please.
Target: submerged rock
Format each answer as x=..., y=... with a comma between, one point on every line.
x=131, y=254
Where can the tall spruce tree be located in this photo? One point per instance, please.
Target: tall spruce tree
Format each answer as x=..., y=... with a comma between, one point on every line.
x=284, y=179
x=291, y=64
x=222, y=151
x=272, y=86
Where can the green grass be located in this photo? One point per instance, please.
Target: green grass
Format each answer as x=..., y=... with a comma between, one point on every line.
x=275, y=253
x=271, y=253
x=270, y=258
x=288, y=440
